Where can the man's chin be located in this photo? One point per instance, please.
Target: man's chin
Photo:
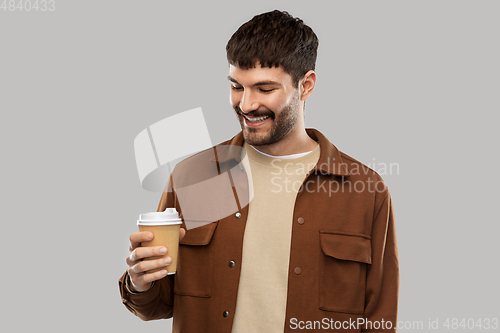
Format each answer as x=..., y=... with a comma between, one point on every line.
x=255, y=140
x=251, y=138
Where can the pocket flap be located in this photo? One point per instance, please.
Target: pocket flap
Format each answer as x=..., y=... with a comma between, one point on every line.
x=354, y=247
x=199, y=236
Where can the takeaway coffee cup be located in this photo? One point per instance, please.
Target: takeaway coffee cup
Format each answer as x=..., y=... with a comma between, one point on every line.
x=165, y=227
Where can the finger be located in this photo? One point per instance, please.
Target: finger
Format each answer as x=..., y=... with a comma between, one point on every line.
x=182, y=233
x=149, y=265
x=150, y=277
x=146, y=252
x=140, y=281
x=137, y=238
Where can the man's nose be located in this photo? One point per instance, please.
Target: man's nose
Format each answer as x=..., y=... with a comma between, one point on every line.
x=248, y=102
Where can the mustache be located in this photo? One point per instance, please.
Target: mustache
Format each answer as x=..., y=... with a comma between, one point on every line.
x=255, y=113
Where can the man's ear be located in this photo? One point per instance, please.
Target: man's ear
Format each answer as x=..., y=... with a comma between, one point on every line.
x=306, y=85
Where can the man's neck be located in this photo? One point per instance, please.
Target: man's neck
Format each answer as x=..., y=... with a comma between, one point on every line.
x=295, y=142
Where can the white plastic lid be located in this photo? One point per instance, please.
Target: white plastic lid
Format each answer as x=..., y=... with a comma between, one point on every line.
x=168, y=217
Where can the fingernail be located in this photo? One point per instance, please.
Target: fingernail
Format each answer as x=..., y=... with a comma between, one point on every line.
x=167, y=261
x=163, y=250
x=150, y=235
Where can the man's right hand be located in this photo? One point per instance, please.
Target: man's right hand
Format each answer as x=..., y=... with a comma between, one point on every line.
x=140, y=263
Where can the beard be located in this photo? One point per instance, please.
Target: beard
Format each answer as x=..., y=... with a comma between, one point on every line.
x=281, y=124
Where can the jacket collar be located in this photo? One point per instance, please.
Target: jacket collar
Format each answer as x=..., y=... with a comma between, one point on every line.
x=330, y=160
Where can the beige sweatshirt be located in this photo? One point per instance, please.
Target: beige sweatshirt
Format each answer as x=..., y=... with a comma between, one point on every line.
x=261, y=302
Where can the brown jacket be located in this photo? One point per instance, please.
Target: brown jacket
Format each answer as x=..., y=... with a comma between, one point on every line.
x=343, y=262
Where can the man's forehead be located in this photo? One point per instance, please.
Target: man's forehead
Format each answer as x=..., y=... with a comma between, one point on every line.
x=259, y=74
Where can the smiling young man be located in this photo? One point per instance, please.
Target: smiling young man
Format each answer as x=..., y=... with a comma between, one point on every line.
x=310, y=243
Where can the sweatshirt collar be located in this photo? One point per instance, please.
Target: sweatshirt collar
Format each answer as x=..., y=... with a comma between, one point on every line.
x=330, y=159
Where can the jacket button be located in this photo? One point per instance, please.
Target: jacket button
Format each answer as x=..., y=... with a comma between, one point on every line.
x=238, y=215
x=297, y=270
x=232, y=263
x=300, y=220
x=226, y=313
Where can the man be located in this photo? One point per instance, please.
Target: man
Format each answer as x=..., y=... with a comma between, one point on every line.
x=311, y=243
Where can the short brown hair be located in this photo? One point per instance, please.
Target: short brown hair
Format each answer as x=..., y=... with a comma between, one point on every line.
x=274, y=39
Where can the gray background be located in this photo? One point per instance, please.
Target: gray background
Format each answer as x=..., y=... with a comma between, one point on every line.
x=408, y=82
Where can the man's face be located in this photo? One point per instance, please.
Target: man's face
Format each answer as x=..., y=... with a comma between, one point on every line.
x=266, y=103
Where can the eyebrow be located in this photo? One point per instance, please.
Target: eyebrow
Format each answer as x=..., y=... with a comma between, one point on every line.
x=260, y=83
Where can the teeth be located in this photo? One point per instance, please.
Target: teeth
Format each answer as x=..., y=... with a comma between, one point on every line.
x=256, y=119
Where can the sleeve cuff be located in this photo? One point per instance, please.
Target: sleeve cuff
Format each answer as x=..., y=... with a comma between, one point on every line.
x=129, y=290
x=137, y=298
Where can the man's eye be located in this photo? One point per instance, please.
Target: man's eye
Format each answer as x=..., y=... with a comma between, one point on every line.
x=268, y=90
x=236, y=88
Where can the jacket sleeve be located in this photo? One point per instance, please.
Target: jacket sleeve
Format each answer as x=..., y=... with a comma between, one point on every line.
x=382, y=282
x=157, y=302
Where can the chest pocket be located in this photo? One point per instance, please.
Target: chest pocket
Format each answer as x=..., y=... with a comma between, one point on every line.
x=343, y=271
x=195, y=263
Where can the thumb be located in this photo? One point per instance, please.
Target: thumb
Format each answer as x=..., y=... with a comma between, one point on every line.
x=182, y=233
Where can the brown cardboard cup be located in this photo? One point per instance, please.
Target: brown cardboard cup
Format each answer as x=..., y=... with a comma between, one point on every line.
x=165, y=227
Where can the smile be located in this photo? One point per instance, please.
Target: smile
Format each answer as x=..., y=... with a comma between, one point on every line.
x=256, y=119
